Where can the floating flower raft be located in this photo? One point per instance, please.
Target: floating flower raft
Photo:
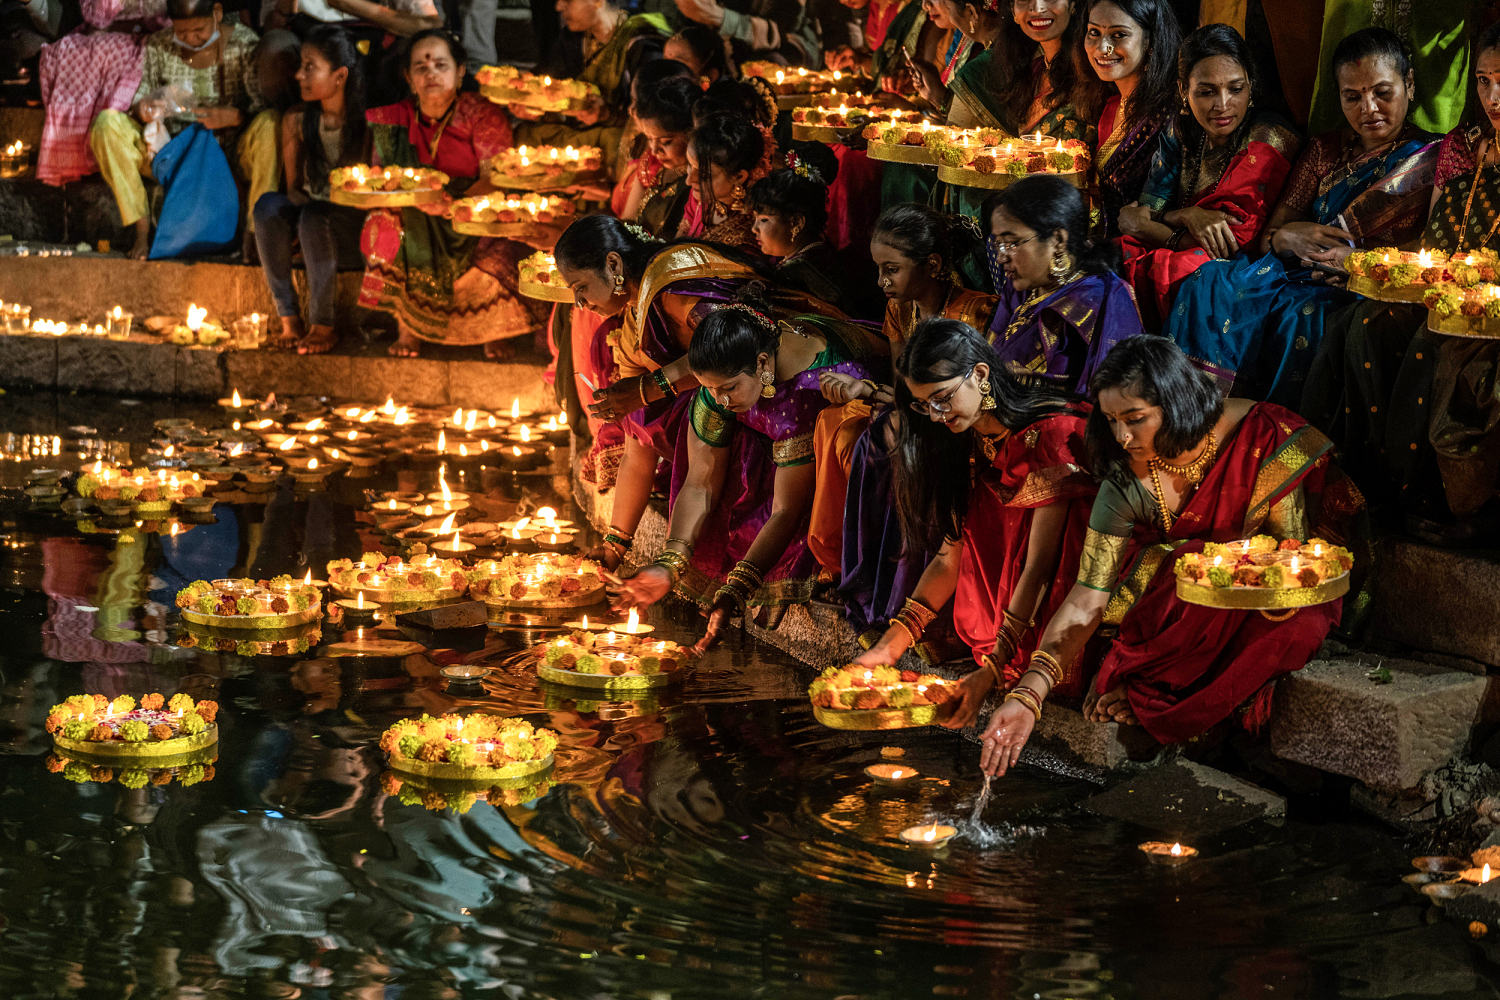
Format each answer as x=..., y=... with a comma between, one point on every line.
x=279, y=603
x=859, y=697
x=488, y=748
x=154, y=727
x=391, y=580
x=610, y=661
x=537, y=581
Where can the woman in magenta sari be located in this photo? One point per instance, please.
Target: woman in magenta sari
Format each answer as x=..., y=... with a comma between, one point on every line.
x=1131, y=45
x=441, y=286
x=1214, y=178
x=1181, y=466
x=992, y=477
x=742, y=479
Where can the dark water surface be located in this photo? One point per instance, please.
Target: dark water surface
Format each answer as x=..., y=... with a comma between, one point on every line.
x=715, y=842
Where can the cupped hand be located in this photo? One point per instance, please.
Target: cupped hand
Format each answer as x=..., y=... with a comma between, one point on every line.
x=613, y=401
x=648, y=586
x=972, y=690
x=592, y=112
x=1210, y=230
x=1008, y=730
x=526, y=114
x=882, y=654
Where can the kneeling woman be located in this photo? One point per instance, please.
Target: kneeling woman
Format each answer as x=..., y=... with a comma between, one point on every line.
x=1181, y=467
x=995, y=481
x=742, y=479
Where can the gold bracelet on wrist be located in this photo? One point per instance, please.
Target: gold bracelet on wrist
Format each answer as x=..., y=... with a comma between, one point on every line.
x=687, y=546
x=1049, y=665
x=673, y=562
x=898, y=623
x=988, y=662
x=1028, y=700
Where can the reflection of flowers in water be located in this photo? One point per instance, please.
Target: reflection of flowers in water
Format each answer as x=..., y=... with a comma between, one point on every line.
x=293, y=646
x=83, y=772
x=440, y=797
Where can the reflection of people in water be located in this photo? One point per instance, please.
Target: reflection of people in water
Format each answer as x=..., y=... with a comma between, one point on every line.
x=300, y=534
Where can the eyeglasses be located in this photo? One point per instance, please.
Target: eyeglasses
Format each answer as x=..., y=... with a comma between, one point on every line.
x=943, y=402
x=1005, y=249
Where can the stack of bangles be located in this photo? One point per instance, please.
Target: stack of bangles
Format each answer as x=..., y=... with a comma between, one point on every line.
x=619, y=538
x=1007, y=641
x=913, y=618
x=742, y=581
x=1047, y=665
x=668, y=390
x=673, y=560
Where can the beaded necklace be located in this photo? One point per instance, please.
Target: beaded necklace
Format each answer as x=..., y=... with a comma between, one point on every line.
x=1193, y=472
x=1463, y=228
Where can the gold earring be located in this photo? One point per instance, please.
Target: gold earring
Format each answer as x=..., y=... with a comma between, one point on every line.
x=986, y=400
x=1062, y=265
x=796, y=230
x=767, y=389
x=619, y=284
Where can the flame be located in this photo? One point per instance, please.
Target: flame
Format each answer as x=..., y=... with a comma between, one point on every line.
x=515, y=531
x=169, y=451
x=463, y=449
x=633, y=623
x=447, y=493
x=897, y=773
x=390, y=406
x=447, y=524
x=1424, y=259
x=442, y=442
x=458, y=417
x=352, y=412
x=315, y=423
x=308, y=578
x=312, y=465
x=427, y=511
x=288, y=444
x=548, y=516
x=493, y=422
x=401, y=417
x=1484, y=874
x=1176, y=851
x=361, y=599
x=367, y=416
x=515, y=408
x=235, y=399
x=195, y=317
x=930, y=833
x=585, y=621
x=456, y=540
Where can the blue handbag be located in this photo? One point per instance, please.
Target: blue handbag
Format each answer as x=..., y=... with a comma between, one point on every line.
x=200, y=213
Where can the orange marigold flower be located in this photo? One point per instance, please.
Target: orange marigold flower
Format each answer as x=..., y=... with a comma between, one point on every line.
x=101, y=732
x=153, y=701
x=208, y=709
x=55, y=763
x=433, y=750
x=54, y=723
x=161, y=731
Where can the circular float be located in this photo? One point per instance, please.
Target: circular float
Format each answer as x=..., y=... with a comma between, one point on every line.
x=539, y=279
x=537, y=581
x=519, y=218
x=274, y=605
x=535, y=91
x=364, y=186
x=391, y=580
x=856, y=697
x=472, y=748
x=609, y=661
x=1263, y=574
x=120, y=729
x=544, y=168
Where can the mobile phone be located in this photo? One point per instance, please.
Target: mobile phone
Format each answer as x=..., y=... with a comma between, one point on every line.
x=1338, y=220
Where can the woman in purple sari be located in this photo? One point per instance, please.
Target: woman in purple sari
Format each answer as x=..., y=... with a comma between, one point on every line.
x=742, y=478
x=1061, y=307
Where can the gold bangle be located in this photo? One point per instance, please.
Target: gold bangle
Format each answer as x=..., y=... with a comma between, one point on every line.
x=687, y=546
x=898, y=623
x=922, y=614
x=673, y=562
x=1044, y=657
x=988, y=662
x=1029, y=703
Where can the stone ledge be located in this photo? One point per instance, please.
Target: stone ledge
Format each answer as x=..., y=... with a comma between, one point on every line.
x=1183, y=799
x=1457, y=599
x=1331, y=716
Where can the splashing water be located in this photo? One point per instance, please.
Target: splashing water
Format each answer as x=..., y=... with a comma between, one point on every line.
x=981, y=802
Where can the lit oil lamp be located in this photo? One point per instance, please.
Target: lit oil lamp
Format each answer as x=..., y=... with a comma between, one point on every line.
x=634, y=626
x=1163, y=853
x=931, y=837
x=584, y=625
x=891, y=774
x=358, y=613
x=463, y=673
x=556, y=541
x=454, y=548
x=1475, y=876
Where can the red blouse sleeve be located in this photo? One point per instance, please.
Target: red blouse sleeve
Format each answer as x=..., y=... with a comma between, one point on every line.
x=1454, y=157
x=489, y=129
x=1045, y=463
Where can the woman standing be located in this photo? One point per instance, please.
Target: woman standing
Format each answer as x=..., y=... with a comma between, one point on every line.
x=327, y=131
x=1062, y=308
x=1214, y=178
x=441, y=286
x=1256, y=322
x=1181, y=467
x=993, y=478
x=742, y=479
x=1131, y=45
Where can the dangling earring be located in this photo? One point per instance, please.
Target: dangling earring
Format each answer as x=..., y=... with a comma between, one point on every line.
x=737, y=199
x=619, y=284
x=973, y=26
x=796, y=230
x=986, y=401
x=767, y=389
x=1062, y=265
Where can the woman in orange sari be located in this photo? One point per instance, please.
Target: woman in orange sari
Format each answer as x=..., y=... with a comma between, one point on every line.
x=990, y=475
x=1181, y=467
x=1215, y=178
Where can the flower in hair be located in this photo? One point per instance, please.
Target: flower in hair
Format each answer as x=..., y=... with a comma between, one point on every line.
x=802, y=168
x=639, y=233
x=752, y=312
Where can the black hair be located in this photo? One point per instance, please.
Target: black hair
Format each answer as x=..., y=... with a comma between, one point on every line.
x=668, y=103
x=1205, y=43
x=1156, y=92
x=932, y=471
x=654, y=72
x=918, y=232
x=1376, y=41
x=708, y=45
x=1011, y=81
x=179, y=10
x=586, y=243
x=1046, y=203
x=751, y=98
x=337, y=49
x=456, y=49
x=730, y=339
x=1155, y=370
x=1488, y=39
x=790, y=195
x=731, y=142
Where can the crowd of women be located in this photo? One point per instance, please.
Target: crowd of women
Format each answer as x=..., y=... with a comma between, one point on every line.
x=1064, y=388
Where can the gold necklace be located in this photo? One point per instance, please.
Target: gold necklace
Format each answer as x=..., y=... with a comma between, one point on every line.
x=1193, y=472
x=1463, y=227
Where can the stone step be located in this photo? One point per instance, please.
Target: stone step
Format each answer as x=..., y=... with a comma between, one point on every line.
x=1438, y=600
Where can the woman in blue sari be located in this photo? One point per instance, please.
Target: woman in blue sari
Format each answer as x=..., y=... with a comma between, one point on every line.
x=1255, y=322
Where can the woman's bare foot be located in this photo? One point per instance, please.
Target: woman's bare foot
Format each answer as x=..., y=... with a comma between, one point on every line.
x=1112, y=706
x=319, y=340
x=406, y=346
x=142, y=245
x=292, y=332
x=499, y=350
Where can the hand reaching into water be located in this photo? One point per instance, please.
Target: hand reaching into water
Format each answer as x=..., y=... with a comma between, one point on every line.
x=641, y=591
x=717, y=619
x=972, y=690
x=1009, y=729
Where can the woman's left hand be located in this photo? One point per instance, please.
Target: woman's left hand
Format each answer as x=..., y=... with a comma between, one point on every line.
x=592, y=112
x=1333, y=256
x=1009, y=729
x=613, y=401
x=1133, y=219
x=1210, y=230
x=641, y=591
x=973, y=689
x=839, y=388
x=218, y=117
x=526, y=114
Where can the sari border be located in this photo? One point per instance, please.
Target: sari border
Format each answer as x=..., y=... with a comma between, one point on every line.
x=1305, y=447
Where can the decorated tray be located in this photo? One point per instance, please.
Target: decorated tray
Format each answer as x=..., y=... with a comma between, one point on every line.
x=610, y=661
x=264, y=605
x=461, y=796
x=827, y=123
x=98, y=727
x=387, y=579
x=1262, y=574
x=539, y=279
x=988, y=158
x=509, y=85
x=1387, y=274
x=1464, y=312
x=537, y=581
x=793, y=85
x=479, y=747
x=363, y=186
x=905, y=143
x=511, y=217
x=141, y=492
x=544, y=168
x=864, y=698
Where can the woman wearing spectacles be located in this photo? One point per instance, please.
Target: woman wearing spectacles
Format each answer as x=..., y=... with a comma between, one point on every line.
x=991, y=476
x=1062, y=307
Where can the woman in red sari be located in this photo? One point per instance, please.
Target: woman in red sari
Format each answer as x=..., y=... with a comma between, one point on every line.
x=1181, y=466
x=1215, y=177
x=994, y=481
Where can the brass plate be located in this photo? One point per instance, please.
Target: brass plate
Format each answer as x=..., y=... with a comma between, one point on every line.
x=582, y=599
x=522, y=775
x=566, y=178
x=1459, y=325
x=1361, y=284
x=993, y=182
x=385, y=199
x=546, y=293
x=203, y=755
x=504, y=230
x=884, y=718
x=1262, y=598
x=531, y=99
x=891, y=153
x=605, y=682
x=819, y=133
x=153, y=749
x=427, y=597
x=257, y=623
